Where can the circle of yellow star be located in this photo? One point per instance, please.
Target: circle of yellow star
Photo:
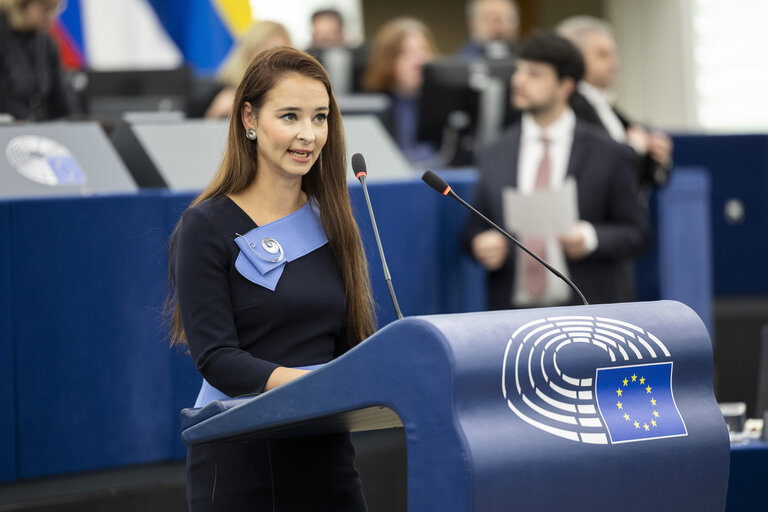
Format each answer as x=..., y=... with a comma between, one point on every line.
x=656, y=414
x=653, y=401
x=619, y=405
x=653, y=422
x=642, y=380
x=634, y=377
x=648, y=390
x=618, y=392
x=625, y=381
x=637, y=425
x=626, y=416
x=646, y=427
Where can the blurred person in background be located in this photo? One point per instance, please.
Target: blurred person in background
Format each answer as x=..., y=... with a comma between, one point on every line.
x=548, y=146
x=32, y=85
x=217, y=102
x=493, y=29
x=593, y=100
x=327, y=29
x=344, y=62
x=398, y=54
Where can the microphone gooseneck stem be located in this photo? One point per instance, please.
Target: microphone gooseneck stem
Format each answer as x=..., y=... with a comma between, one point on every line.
x=521, y=246
x=387, y=276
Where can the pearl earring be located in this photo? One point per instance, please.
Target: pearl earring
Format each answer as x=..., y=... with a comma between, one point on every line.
x=250, y=133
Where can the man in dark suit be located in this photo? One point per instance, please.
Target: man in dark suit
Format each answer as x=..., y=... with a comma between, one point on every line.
x=593, y=100
x=548, y=146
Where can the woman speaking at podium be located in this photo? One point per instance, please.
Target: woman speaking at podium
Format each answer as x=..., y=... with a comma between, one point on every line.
x=269, y=276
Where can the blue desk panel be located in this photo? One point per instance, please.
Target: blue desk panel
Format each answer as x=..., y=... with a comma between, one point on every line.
x=748, y=477
x=89, y=281
x=7, y=369
x=420, y=231
x=91, y=354
x=464, y=289
x=403, y=210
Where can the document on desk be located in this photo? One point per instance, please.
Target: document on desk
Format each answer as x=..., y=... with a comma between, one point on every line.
x=545, y=212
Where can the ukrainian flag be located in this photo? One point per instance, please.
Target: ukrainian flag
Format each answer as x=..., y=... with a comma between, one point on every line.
x=204, y=30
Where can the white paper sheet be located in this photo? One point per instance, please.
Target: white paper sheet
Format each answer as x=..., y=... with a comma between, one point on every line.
x=545, y=212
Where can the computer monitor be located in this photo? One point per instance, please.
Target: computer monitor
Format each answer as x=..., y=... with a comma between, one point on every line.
x=465, y=102
x=107, y=95
x=345, y=66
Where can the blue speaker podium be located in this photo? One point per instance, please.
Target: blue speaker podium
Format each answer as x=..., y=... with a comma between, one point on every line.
x=581, y=408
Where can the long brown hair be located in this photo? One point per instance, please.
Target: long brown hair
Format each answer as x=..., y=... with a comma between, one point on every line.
x=380, y=73
x=325, y=183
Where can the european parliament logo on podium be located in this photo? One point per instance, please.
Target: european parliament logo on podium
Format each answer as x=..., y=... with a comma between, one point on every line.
x=578, y=378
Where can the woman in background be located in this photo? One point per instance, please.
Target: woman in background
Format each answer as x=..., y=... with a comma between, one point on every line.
x=400, y=50
x=278, y=205
x=32, y=85
x=261, y=36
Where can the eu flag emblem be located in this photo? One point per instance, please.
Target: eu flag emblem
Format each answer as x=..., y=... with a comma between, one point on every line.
x=636, y=402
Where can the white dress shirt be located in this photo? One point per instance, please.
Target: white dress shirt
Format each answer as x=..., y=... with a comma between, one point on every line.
x=601, y=102
x=560, y=136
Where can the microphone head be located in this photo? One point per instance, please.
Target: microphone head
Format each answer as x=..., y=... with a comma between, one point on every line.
x=436, y=182
x=358, y=165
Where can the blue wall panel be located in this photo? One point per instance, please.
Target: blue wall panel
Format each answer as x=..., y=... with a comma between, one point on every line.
x=738, y=165
x=7, y=370
x=462, y=279
x=402, y=213
x=94, y=386
x=685, y=242
x=420, y=231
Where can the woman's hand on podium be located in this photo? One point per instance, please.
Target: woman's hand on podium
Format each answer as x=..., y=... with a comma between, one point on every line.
x=282, y=375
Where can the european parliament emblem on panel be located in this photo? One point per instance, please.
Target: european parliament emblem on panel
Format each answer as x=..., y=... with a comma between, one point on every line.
x=44, y=161
x=591, y=380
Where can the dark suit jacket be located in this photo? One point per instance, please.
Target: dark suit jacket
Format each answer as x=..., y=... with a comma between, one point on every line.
x=608, y=199
x=650, y=173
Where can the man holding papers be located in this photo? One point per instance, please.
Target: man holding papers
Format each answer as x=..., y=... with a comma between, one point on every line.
x=567, y=190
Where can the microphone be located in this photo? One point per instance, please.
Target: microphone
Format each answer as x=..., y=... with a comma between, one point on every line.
x=359, y=168
x=437, y=183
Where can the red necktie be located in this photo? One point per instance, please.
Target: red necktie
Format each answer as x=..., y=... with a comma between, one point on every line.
x=534, y=275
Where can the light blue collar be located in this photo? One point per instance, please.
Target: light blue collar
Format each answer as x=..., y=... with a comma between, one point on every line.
x=265, y=250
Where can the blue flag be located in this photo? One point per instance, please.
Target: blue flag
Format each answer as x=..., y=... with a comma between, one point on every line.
x=197, y=29
x=637, y=404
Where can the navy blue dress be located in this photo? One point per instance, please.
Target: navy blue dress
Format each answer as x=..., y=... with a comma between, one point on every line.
x=238, y=333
